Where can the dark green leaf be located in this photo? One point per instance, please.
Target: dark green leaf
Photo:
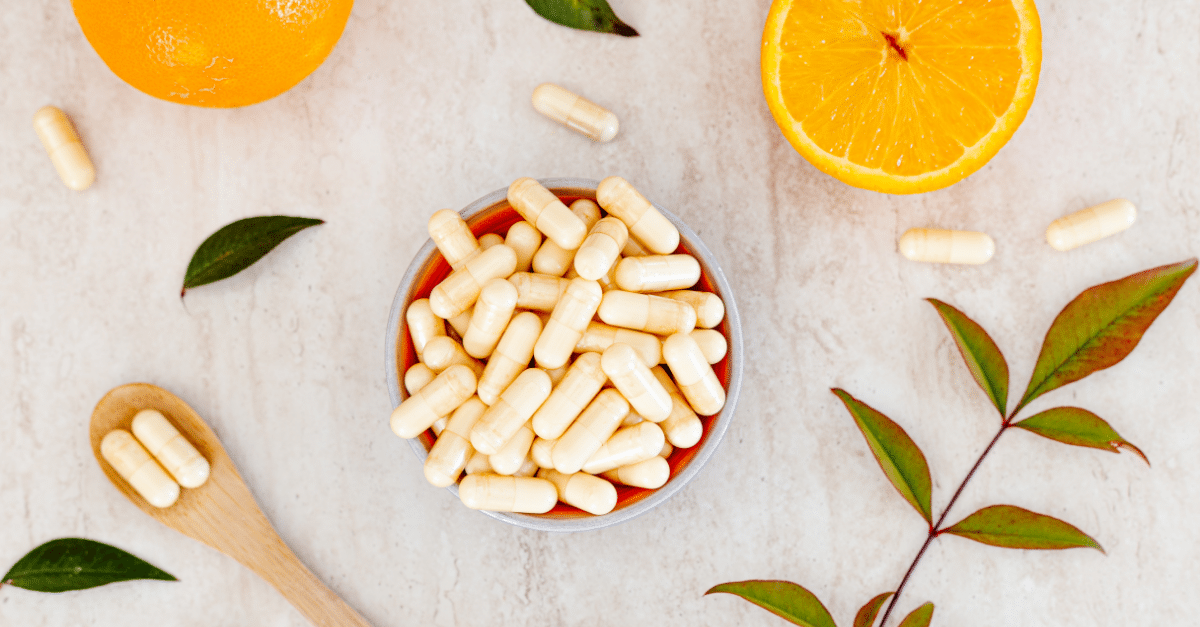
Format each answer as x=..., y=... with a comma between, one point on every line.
x=1103, y=325
x=919, y=617
x=77, y=564
x=866, y=615
x=235, y=246
x=1080, y=427
x=898, y=456
x=980, y=353
x=1012, y=527
x=594, y=15
x=782, y=598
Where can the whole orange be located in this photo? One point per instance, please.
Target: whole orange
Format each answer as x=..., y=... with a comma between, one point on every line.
x=213, y=53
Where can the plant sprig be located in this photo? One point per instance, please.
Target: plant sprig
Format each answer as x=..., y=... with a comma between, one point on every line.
x=1096, y=330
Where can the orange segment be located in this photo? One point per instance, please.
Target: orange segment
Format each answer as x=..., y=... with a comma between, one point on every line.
x=900, y=96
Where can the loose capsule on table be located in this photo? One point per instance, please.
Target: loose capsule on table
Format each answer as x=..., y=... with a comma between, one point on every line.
x=453, y=238
x=493, y=310
x=581, y=384
x=497, y=493
x=452, y=450
x=1091, y=224
x=645, y=222
x=423, y=325
x=511, y=356
x=541, y=208
x=693, y=374
x=170, y=448
x=633, y=379
x=137, y=468
x=567, y=323
x=555, y=260
x=657, y=273
x=601, y=249
x=64, y=147
x=514, y=407
x=457, y=292
x=525, y=240
x=590, y=494
x=575, y=112
x=443, y=395
x=642, y=312
x=942, y=246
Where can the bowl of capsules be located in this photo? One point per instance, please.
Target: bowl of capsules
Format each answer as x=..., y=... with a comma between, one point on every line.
x=563, y=354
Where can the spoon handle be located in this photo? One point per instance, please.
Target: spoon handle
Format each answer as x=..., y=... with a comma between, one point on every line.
x=279, y=566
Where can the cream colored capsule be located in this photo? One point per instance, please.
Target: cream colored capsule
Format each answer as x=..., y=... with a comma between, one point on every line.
x=632, y=418
x=525, y=240
x=539, y=292
x=509, y=459
x=478, y=464
x=590, y=494
x=417, y=377
x=586, y=435
x=712, y=343
x=557, y=374
x=599, y=336
x=497, y=493
x=642, y=312
x=693, y=374
x=627, y=446
x=633, y=379
x=541, y=208
x=553, y=259
x=607, y=281
x=1091, y=224
x=710, y=309
x=657, y=273
x=567, y=323
x=453, y=238
x=452, y=450
x=136, y=467
x=650, y=474
x=600, y=251
x=488, y=240
x=633, y=249
x=645, y=222
x=511, y=356
x=458, y=292
x=493, y=310
x=173, y=451
x=459, y=323
x=942, y=246
x=422, y=324
x=683, y=427
x=442, y=352
x=541, y=451
x=64, y=147
x=667, y=449
x=528, y=468
x=514, y=407
x=439, y=425
x=575, y=112
x=443, y=395
x=580, y=385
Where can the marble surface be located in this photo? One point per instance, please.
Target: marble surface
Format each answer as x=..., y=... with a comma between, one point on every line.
x=424, y=105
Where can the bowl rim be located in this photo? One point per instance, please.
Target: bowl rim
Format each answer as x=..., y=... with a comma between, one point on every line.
x=719, y=424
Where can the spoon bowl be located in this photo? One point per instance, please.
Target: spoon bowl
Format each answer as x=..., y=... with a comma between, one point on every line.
x=220, y=513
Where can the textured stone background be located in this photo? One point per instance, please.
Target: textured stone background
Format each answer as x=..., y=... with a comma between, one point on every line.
x=424, y=105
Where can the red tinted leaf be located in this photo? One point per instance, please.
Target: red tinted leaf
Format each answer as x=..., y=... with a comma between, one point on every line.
x=784, y=599
x=1012, y=527
x=866, y=615
x=982, y=356
x=919, y=617
x=1078, y=427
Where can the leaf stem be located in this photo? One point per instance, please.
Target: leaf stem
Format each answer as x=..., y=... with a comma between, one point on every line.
x=936, y=529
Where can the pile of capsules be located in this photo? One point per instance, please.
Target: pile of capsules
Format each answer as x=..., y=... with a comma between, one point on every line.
x=155, y=435
x=597, y=407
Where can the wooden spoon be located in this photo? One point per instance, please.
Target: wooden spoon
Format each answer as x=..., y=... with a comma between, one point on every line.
x=221, y=513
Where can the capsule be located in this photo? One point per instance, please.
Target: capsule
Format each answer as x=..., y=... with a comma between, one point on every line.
x=643, y=312
x=590, y=494
x=493, y=310
x=710, y=309
x=497, y=493
x=458, y=292
x=600, y=251
x=571, y=316
x=599, y=336
x=539, y=292
x=478, y=464
x=541, y=451
x=136, y=467
x=64, y=147
x=417, y=377
x=557, y=374
x=422, y=324
x=575, y=112
x=1091, y=224
x=525, y=240
x=528, y=468
x=667, y=449
x=442, y=352
x=633, y=379
x=453, y=238
x=645, y=222
x=439, y=425
x=586, y=435
x=459, y=323
x=488, y=240
x=580, y=385
x=452, y=450
x=632, y=418
x=633, y=249
x=693, y=375
x=712, y=344
x=683, y=427
x=511, y=356
x=515, y=406
x=650, y=474
x=657, y=273
x=553, y=259
x=540, y=207
x=627, y=446
x=173, y=451
x=509, y=459
x=442, y=396
x=942, y=246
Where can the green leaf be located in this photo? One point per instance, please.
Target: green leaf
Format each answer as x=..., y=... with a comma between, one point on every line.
x=919, y=617
x=1078, y=427
x=782, y=598
x=866, y=615
x=235, y=246
x=594, y=15
x=77, y=564
x=983, y=358
x=1012, y=527
x=898, y=456
x=1103, y=325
